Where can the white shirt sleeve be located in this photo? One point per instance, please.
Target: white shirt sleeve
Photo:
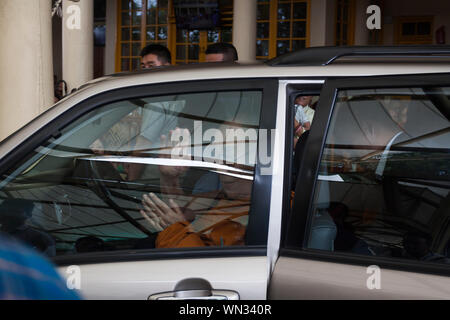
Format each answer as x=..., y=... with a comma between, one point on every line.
x=300, y=115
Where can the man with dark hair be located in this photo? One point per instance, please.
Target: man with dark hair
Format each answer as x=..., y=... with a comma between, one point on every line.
x=158, y=118
x=155, y=55
x=218, y=52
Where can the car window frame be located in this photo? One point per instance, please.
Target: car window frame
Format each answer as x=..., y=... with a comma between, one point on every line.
x=307, y=87
x=297, y=225
x=257, y=229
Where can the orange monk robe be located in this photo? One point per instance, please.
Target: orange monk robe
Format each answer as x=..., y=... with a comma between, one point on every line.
x=223, y=233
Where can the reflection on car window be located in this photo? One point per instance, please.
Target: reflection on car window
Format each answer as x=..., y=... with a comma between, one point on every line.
x=384, y=180
x=156, y=172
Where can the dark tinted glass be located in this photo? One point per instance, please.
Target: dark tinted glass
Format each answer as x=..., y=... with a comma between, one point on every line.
x=384, y=183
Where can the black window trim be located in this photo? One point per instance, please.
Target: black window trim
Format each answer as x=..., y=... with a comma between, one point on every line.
x=159, y=254
x=292, y=90
x=296, y=226
x=258, y=224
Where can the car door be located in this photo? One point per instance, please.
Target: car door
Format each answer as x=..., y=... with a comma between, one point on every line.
x=191, y=149
x=371, y=212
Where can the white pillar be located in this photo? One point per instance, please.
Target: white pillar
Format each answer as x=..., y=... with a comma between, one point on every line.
x=26, y=67
x=244, y=29
x=322, y=23
x=78, y=42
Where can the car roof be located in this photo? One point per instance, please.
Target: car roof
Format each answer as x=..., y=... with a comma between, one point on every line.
x=215, y=71
x=321, y=56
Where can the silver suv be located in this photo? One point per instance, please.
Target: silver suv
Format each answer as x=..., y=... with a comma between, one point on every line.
x=321, y=174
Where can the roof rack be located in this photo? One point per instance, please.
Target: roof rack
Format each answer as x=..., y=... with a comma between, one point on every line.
x=322, y=56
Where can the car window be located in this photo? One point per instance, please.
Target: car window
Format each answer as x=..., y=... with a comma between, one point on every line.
x=153, y=172
x=384, y=178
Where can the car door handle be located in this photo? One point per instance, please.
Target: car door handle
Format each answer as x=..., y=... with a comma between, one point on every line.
x=195, y=289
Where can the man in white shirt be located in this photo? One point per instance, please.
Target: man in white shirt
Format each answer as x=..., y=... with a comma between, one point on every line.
x=302, y=122
x=305, y=101
x=159, y=117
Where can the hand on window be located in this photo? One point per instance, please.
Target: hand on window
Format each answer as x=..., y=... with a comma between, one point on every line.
x=159, y=214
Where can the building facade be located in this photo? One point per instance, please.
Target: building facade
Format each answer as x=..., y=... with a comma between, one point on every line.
x=281, y=26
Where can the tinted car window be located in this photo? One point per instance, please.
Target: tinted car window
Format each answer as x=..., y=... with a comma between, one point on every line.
x=164, y=172
x=384, y=180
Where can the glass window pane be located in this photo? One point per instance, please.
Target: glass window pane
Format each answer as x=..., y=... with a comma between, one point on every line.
x=213, y=36
x=300, y=10
x=227, y=35
x=262, y=30
x=135, y=64
x=299, y=29
x=181, y=52
x=298, y=44
x=126, y=4
x=152, y=4
x=82, y=192
x=162, y=16
x=162, y=33
x=408, y=28
x=137, y=4
x=193, y=51
x=163, y=3
x=182, y=35
x=126, y=34
x=125, y=49
x=262, y=48
x=126, y=18
x=194, y=36
x=282, y=47
x=137, y=17
x=423, y=28
x=136, y=49
x=263, y=12
x=136, y=34
x=151, y=17
x=284, y=11
x=151, y=33
x=283, y=29
x=125, y=64
x=384, y=175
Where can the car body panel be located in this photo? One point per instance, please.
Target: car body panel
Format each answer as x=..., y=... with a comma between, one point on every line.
x=296, y=278
x=137, y=280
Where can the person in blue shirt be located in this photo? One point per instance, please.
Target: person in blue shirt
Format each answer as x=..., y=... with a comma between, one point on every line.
x=26, y=275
